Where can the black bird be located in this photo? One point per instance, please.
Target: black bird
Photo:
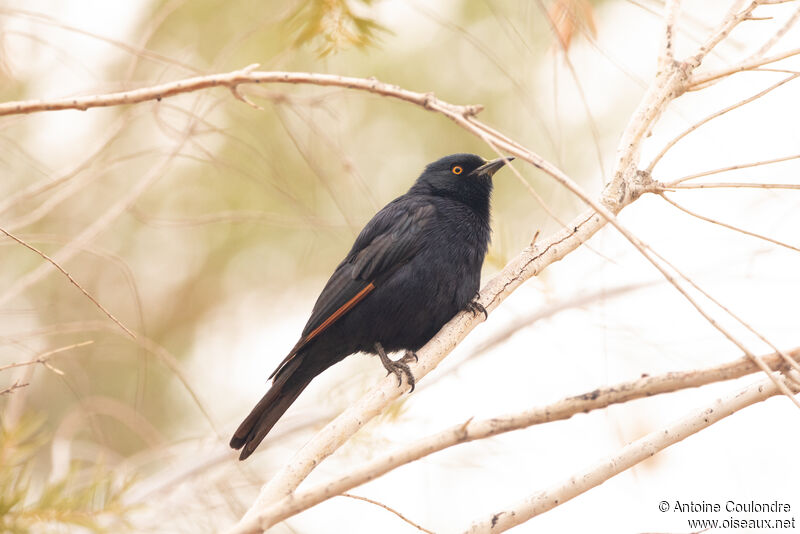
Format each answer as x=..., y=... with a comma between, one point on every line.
x=413, y=267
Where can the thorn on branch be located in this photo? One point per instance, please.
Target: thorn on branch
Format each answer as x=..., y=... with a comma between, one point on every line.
x=240, y=96
x=464, y=433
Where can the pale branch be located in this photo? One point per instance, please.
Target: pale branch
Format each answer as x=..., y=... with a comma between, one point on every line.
x=671, y=12
x=782, y=71
x=744, y=185
x=633, y=453
x=729, y=226
x=389, y=508
x=231, y=80
x=673, y=183
x=472, y=430
x=71, y=279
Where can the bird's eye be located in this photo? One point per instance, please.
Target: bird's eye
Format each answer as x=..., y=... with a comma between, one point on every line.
x=457, y=169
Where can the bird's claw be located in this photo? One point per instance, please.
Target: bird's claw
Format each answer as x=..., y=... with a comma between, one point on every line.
x=409, y=355
x=399, y=367
x=476, y=307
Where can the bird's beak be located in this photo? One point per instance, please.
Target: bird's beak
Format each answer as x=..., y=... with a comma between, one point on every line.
x=491, y=167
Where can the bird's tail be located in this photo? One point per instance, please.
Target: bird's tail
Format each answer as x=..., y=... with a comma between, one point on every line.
x=284, y=391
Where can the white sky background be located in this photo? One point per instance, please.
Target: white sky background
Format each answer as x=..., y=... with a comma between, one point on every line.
x=747, y=456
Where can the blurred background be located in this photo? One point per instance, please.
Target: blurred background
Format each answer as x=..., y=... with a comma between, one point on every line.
x=209, y=227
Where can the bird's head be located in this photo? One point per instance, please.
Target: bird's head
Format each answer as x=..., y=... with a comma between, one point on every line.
x=463, y=177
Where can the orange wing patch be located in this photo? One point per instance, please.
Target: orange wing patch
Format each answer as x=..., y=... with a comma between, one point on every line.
x=346, y=307
x=338, y=313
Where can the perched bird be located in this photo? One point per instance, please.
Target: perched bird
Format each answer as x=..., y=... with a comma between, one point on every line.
x=413, y=267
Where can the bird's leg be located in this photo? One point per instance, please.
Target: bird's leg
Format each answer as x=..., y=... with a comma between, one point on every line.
x=399, y=367
x=476, y=307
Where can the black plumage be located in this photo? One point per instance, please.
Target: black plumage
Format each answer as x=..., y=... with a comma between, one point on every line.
x=413, y=267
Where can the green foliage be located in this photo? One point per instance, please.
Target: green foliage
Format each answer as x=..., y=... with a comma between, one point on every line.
x=87, y=498
x=333, y=25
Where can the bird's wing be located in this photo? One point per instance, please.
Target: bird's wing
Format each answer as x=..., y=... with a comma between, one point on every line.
x=388, y=241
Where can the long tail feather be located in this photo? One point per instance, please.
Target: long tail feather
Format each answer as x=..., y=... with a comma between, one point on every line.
x=284, y=391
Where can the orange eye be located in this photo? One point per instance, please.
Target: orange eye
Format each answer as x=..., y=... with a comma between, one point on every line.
x=457, y=169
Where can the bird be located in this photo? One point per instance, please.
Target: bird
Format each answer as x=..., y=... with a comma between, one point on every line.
x=414, y=266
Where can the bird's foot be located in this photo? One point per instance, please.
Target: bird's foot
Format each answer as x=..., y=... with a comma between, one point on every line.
x=476, y=307
x=399, y=367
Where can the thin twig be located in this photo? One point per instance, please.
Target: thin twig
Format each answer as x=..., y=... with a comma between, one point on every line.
x=733, y=185
x=700, y=81
x=43, y=357
x=395, y=512
x=728, y=226
x=729, y=22
x=72, y=280
x=732, y=168
x=698, y=124
x=10, y=389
